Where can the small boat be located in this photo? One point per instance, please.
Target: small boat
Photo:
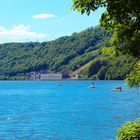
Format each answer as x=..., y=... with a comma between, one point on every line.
x=59, y=84
x=92, y=86
x=117, y=90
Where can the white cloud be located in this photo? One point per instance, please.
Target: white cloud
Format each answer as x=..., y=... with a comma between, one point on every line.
x=43, y=16
x=20, y=33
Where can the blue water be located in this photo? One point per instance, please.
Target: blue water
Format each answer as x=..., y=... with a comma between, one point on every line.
x=40, y=110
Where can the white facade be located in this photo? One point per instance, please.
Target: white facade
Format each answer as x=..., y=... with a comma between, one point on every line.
x=51, y=76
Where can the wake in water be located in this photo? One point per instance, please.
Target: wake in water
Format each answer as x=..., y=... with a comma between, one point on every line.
x=14, y=118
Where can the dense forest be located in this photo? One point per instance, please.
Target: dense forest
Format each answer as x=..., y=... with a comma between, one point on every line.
x=80, y=53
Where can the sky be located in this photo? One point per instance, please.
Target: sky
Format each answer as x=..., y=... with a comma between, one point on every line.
x=41, y=20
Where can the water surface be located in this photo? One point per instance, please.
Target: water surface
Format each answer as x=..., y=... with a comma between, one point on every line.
x=40, y=110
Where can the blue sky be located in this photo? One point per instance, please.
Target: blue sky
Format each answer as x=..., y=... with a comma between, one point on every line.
x=41, y=20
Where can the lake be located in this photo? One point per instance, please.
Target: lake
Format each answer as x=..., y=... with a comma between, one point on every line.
x=40, y=110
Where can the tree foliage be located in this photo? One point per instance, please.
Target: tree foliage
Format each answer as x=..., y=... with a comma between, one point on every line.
x=106, y=67
x=133, y=79
x=122, y=19
x=129, y=131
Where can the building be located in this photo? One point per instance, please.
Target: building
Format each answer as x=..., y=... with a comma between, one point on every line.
x=34, y=76
x=45, y=76
x=51, y=76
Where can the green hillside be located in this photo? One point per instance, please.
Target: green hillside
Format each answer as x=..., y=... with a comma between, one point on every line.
x=66, y=54
x=103, y=68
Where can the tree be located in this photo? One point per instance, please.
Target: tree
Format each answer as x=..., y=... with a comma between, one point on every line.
x=129, y=131
x=133, y=79
x=122, y=19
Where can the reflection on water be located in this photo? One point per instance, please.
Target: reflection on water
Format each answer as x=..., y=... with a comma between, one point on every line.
x=42, y=110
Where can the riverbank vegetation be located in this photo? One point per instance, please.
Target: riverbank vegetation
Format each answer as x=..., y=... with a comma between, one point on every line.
x=86, y=52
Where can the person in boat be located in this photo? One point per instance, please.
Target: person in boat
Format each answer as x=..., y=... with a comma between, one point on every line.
x=120, y=88
x=92, y=86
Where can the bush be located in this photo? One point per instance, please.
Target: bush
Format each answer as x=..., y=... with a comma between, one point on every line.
x=129, y=131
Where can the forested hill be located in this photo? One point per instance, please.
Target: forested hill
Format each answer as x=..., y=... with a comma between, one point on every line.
x=65, y=54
